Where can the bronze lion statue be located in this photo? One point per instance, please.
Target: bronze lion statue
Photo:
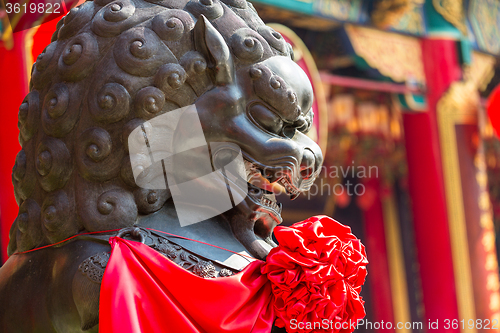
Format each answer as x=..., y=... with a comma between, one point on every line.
x=110, y=68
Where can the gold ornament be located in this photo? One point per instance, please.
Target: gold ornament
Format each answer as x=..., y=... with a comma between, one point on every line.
x=453, y=12
x=389, y=12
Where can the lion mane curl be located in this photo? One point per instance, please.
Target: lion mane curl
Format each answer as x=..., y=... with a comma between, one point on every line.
x=111, y=66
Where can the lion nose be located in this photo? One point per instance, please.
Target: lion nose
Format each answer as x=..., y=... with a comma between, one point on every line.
x=308, y=164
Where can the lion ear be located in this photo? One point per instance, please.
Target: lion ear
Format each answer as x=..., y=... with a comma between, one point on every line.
x=210, y=43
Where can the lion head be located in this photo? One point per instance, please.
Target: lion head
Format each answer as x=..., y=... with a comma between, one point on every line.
x=114, y=65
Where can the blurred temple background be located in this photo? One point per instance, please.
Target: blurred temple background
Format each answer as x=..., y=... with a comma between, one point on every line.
x=412, y=160
x=412, y=157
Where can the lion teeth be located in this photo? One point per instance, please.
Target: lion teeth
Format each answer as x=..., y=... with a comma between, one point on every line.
x=271, y=204
x=290, y=189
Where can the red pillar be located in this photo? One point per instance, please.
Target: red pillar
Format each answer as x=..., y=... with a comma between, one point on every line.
x=376, y=251
x=426, y=185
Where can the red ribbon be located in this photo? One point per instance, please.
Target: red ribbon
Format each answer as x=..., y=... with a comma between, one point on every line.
x=315, y=274
x=494, y=109
x=143, y=291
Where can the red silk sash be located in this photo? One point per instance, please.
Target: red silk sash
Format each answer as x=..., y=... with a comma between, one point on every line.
x=315, y=275
x=144, y=292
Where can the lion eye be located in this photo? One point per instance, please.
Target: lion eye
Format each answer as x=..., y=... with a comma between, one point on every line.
x=266, y=118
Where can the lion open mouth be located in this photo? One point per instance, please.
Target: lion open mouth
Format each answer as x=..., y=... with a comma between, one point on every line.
x=263, y=192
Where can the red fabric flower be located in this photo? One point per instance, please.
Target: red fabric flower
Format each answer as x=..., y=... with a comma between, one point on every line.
x=316, y=274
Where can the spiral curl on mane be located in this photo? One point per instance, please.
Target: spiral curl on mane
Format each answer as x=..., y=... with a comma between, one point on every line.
x=110, y=66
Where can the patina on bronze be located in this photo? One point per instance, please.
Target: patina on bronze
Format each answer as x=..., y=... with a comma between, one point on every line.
x=111, y=66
